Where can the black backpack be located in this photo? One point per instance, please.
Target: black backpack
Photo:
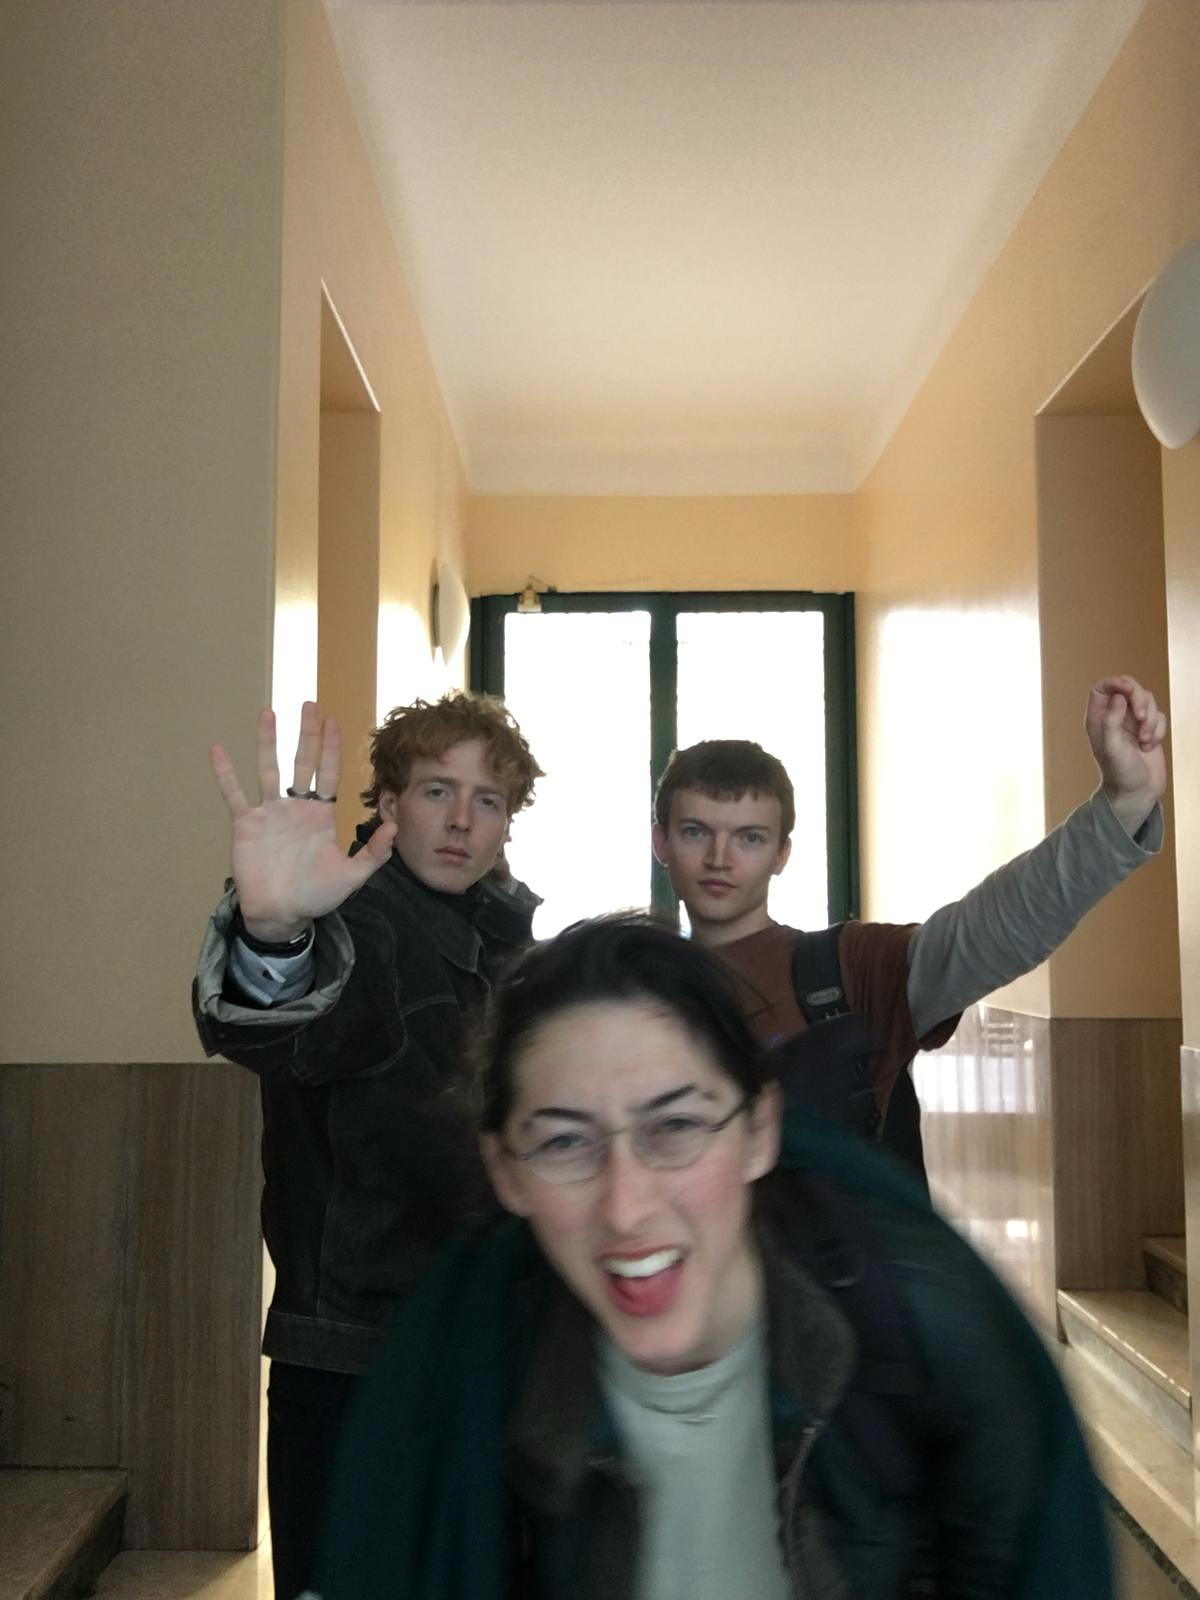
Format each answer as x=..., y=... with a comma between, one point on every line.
x=830, y=1067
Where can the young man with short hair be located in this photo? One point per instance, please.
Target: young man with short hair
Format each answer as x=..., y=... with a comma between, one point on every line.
x=724, y=813
x=343, y=982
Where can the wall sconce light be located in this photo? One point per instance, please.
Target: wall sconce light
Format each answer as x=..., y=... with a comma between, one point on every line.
x=450, y=613
x=1166, y=350
x=529, y=601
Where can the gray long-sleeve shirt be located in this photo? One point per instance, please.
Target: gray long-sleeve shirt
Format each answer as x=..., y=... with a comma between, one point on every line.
x=1009, y=923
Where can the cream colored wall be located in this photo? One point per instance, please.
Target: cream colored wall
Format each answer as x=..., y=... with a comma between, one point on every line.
x=348, y=590
x=141, y=295
x=950, y=653
x=623, y=543
x=334, y=233
x=1181, y=522
x=1102, y=598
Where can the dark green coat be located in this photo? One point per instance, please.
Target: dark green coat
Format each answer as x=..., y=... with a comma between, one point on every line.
x=924, y=1444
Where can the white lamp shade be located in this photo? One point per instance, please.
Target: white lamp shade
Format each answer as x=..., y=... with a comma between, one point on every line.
x=451, y=612
x=1166, y=350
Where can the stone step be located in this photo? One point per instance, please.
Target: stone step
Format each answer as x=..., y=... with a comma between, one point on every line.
x=1149, y=1479
x=59, y=1528
x=1165, y=1256
x=1140, y=1345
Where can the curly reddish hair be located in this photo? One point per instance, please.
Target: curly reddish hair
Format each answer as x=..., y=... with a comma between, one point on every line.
x=430, y=728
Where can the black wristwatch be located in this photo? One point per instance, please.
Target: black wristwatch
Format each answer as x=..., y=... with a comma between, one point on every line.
x=270, y=947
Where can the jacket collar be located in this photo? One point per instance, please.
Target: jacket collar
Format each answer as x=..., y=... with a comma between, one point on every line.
x=458, y=925
x=559, y=1428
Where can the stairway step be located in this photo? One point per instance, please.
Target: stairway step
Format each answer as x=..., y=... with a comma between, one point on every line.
x=1140, y=1344
x=1149, y=1478
x=1165, y=1256
x=59, y=1528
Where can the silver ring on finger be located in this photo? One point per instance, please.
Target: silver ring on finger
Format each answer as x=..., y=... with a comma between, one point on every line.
x=325, y=799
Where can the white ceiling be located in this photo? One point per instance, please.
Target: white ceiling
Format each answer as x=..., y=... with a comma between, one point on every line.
x=704, y=248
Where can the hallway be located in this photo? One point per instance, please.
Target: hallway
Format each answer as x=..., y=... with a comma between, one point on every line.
x=243, y=465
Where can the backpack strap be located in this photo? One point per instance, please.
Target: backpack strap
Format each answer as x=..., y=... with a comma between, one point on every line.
x=832, y=1064
x=817, y=975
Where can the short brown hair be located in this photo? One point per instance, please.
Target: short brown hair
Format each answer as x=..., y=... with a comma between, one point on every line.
x=726, y=769
x=430, y=728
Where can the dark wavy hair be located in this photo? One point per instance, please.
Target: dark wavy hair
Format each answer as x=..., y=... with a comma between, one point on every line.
x=627, y=957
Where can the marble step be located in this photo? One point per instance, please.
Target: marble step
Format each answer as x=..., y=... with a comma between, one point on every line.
x=1165, y=1256
x=1139, y=1344
x=59, y=1529
x=1149, y=1478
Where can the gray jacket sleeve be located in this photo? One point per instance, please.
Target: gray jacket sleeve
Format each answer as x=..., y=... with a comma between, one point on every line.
x=255, y=1035
x=1023, y=911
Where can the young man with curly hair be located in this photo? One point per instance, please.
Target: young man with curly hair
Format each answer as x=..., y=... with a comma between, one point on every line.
x=343, y=982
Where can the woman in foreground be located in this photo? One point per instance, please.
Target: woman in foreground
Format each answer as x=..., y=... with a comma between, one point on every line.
x=714, y=1353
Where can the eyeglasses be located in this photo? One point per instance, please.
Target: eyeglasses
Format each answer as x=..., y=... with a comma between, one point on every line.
x=669, y=1141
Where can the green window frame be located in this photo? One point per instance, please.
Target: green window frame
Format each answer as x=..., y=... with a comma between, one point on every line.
x=841, y=743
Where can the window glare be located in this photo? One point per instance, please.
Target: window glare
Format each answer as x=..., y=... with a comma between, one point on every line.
x=579, y=685
x=761, y=675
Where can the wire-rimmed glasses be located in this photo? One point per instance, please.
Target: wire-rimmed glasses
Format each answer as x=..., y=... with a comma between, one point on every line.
x=662, y=1141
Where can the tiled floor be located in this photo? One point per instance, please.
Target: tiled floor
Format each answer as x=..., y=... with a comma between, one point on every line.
x=184, y=1575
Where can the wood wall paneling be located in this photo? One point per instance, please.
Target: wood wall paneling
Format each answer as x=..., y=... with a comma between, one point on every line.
x=130, y=1287
x=1056, y=1145
x=1118, y=1145
x=63, y=1144
x=1189, y=1061
x=191, y=1375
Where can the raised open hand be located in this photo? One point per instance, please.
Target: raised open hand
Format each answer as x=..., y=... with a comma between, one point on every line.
x=287, y=864
x=1126, y=731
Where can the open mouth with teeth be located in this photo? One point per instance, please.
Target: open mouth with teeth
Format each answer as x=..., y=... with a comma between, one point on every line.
x=644, y=1285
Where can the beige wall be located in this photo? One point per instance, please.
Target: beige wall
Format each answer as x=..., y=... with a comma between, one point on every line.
x=1181, y=522
x=951, y=662
x=614, y=542
x=187, y=175
x=140, y=414
x=142, y=290
x=348, y=590
x=1102, y=599
x=335, y=234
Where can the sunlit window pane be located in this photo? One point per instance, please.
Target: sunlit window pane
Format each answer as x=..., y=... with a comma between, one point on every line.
x=761, y=675
x=579, y=685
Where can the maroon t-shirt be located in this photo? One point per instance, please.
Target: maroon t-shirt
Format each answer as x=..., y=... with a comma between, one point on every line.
x=874, y=962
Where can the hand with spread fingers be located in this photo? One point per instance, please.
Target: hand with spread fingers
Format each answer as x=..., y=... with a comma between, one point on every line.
x=287, y=863
x=1126, y=731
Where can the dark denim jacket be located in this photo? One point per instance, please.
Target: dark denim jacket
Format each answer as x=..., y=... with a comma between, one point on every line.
x=368, y=1153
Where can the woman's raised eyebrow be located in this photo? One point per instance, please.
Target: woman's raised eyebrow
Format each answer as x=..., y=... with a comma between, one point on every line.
x=668, y=1097
x=671, y=1095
